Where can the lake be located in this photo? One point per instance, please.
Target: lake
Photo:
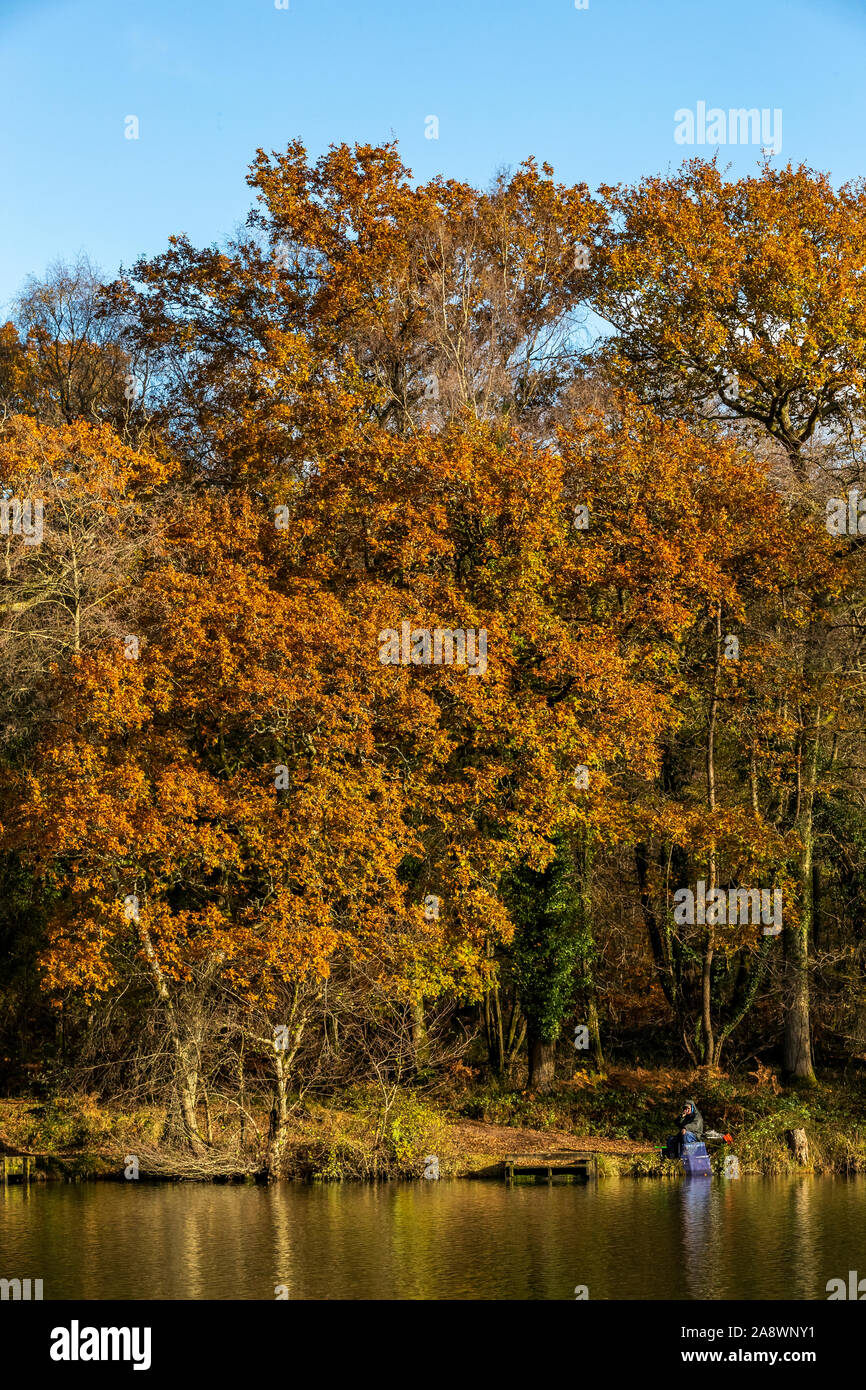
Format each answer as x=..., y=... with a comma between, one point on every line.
x=754, y=1238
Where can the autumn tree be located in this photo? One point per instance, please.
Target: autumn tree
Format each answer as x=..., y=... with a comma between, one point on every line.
x=414, y=301
x=739, y=299
x=69, y=357
x=741, y=302
x=84, y=506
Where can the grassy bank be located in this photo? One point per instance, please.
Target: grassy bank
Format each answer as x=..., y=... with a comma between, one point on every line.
x=635, y=1110
x=622, y=1115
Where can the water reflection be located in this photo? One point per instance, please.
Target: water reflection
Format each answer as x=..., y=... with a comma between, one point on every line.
x=804, y=1272
x=696, y=1196
x=697, y=1238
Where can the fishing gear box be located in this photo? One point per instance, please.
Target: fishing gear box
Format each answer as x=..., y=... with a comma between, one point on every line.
x=696, y=1161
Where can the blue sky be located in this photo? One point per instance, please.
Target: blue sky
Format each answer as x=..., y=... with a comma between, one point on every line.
x=592, y=91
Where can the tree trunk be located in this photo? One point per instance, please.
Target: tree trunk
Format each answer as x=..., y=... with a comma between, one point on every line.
x=583, y=859
x=595, y=1035
x=278, y=1132
x=186, y=1080
x=283, y=1060
x=797, y=1048
x=504, y=1038
x=708, y=1040
x=542, y=1064
x=420, y=1040
x=798, y=1144
x=186, y=1058
x=797, y=1051
x=493, y=1028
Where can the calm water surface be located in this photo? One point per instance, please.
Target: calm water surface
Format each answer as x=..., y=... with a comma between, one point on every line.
x=755, y=1238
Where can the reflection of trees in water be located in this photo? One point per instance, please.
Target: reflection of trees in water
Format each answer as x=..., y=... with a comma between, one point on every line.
x=763, y=1244
x=807, y=1280
x=698, y=1237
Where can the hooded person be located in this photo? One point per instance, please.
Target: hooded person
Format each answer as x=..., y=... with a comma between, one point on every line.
x=691, y=1129
x=692, y=1120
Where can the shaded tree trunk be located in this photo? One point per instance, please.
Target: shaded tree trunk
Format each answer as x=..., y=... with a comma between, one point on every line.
x=797, y=1048
x=595, y=1034
x=708, y=1039
x=542, y=1064
x=504, y=1028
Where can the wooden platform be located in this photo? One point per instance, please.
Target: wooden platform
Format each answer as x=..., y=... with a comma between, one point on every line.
x=16, y=1166
x=568, y=1165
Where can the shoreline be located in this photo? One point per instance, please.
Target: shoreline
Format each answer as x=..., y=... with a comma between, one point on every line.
x=622, y=1117
x=481, y=1162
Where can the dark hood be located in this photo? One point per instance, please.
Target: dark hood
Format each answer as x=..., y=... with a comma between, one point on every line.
x=693, y=1121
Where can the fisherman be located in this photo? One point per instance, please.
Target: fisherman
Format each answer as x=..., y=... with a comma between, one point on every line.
x=691, y=1129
